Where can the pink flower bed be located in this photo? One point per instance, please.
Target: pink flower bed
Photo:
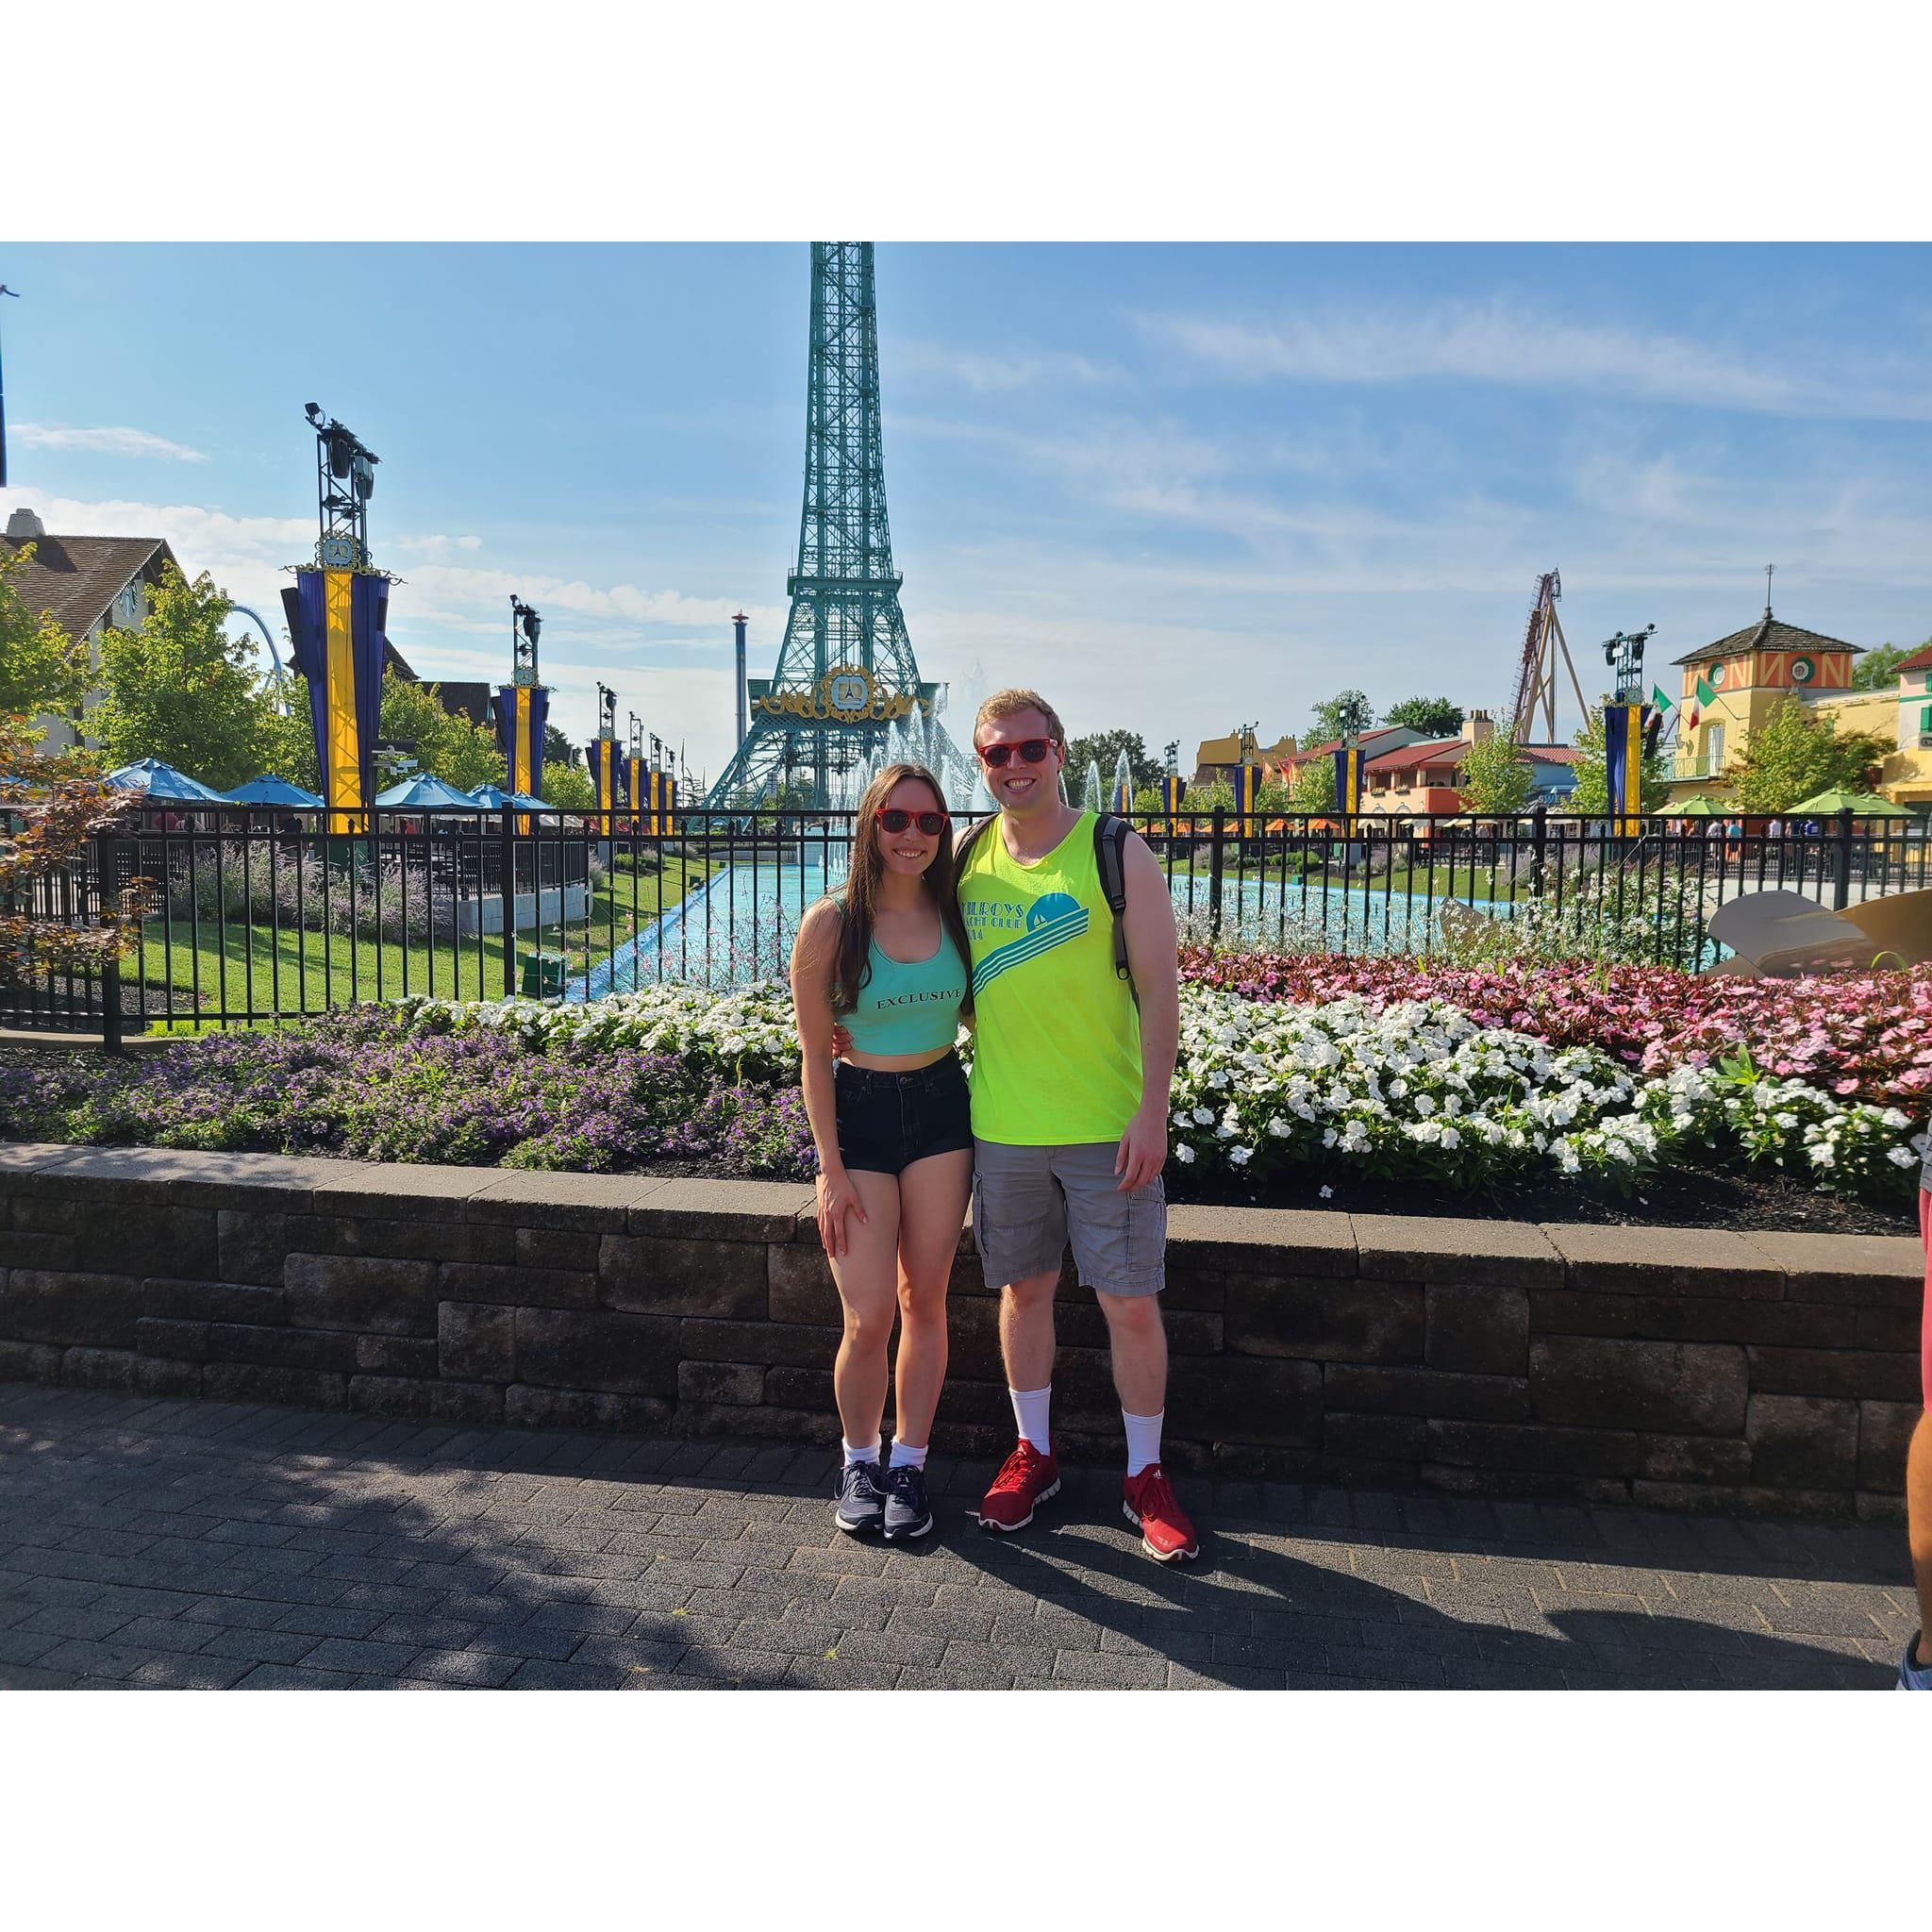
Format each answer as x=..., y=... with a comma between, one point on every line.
x=1866, y=1036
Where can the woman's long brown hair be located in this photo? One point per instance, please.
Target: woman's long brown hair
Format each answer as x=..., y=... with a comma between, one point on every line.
x=852, y=967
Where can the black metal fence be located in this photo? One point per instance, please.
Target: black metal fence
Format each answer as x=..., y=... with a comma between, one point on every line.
x=247, y=919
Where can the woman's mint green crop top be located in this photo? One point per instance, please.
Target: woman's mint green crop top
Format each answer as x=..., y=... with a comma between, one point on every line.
x=910, y=1006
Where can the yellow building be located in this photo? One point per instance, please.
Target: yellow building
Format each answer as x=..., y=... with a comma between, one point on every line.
x=1732, y=685
x=1906, y=775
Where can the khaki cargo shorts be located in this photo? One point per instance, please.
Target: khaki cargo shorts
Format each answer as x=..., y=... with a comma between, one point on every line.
x=1028, y=1201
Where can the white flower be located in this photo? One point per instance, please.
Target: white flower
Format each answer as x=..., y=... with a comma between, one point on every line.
x=1327, y=1193
x=1204, y=1117
x=1185, y=1154
x=1901, y=1157
x=1241, y=1155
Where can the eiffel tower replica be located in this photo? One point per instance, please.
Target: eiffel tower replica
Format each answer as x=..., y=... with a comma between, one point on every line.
x=846, y=674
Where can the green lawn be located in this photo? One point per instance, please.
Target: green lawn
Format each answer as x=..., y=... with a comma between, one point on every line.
x=298, y=971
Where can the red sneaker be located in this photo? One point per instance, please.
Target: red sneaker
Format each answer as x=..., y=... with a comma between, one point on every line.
x=1025, y=1479
x=1150, y=1504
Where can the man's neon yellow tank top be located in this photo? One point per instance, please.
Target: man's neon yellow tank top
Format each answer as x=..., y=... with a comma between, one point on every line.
x=1057, y=1039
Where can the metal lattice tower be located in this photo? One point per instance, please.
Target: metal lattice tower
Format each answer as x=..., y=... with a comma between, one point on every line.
x=846, y=672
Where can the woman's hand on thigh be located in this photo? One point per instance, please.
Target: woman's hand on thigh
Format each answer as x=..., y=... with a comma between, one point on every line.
x=838, y=1197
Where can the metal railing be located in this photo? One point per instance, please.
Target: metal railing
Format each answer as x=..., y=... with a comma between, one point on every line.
x=249, y=920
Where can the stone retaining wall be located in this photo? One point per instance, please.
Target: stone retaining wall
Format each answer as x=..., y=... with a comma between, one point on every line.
x=1689, y=1369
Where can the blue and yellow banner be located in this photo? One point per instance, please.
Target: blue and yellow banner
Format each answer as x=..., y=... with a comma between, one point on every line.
x=1623, y=767
x=668, y=817
x=1247, y=793
x=1173, y=790
x=1348, y=783
x=636, y=789
x=521, y=712
x=335, y=620
x=606, y=779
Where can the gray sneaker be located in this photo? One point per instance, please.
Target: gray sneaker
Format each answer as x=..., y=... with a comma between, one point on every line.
x=861, y=1501
x=907, y=1511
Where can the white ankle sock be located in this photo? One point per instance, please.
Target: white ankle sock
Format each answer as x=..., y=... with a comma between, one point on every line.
x=868, y=1453
x=1030, y=1407
x=906, y=1456
x=1143, y=1441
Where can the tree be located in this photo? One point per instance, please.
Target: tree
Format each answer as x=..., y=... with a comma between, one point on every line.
x=1494, y=775
x=1877, y=670
x=1433, y=717
x=180, y=689
x=1347, y=714
x=1313, y=789
x=42, y=667
x=560, y=750
x=55, y=806
x=446, y=744
x=568, y=786
x=1104, y=748
x=1799, y=751
x=1592, y=797
x=288, y=742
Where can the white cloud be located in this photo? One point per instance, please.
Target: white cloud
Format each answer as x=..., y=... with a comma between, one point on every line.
x=117, y=441
x=438, y=546
x=1503, y=342
x=990, y=371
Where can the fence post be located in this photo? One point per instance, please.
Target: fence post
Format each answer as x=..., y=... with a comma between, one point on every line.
x=508, y=850
x=1216, y=858
x=1842, y=862
x=1539, y=847
x=110, y=969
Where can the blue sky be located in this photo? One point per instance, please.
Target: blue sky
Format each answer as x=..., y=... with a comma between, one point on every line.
x=1174, y=485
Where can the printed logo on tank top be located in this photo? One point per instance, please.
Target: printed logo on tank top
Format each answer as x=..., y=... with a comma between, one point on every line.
x=1036, y=928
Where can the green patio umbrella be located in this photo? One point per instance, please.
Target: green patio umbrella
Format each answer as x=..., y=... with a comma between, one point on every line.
x=1697, y=808
x=1864, y=805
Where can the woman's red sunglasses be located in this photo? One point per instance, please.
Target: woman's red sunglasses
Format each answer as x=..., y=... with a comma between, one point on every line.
x=1033, y=750
x=931, y=822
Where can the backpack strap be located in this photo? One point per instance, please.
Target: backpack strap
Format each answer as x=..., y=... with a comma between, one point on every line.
x=964, y=843
x=1110, y=859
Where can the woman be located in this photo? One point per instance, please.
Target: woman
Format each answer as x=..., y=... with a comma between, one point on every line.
x=886, y=960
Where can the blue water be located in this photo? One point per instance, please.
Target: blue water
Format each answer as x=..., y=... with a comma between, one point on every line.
x=740, y=925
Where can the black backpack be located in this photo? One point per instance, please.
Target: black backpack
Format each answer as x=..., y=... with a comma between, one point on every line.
x=1110, y=857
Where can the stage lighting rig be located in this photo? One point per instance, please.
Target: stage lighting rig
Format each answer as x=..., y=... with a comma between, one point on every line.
x=344, y=482
x=1624, y=654
x=607, y=711
x=523, y=627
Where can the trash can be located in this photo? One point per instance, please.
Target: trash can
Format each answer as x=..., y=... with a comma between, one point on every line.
x=543, y=976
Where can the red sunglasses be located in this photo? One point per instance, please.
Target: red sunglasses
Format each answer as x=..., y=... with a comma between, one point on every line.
x=931, y=822
x=1033, y=750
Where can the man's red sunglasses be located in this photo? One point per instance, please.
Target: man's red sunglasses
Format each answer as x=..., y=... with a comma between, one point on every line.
x=1033, y=750
x=931, y=822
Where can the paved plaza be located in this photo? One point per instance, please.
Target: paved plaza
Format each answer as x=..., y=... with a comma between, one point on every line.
x=158, y=1545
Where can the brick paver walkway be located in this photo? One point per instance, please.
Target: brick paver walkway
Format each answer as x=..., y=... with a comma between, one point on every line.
x=187, y=1543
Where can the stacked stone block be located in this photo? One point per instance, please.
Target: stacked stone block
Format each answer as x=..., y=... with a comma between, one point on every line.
x=1691, y=1369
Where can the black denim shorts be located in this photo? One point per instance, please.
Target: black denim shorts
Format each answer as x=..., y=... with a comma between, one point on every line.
x=888, y=1120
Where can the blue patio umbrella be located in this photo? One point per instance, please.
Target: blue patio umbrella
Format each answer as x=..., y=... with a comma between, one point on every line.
x=420, y=791
x=163, y=782
x=269, y=790
x=494, y=798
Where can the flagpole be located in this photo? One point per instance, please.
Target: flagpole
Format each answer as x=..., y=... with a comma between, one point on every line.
x=15, y=293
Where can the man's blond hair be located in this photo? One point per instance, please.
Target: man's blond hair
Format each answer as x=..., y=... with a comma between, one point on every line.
x=1017, y=698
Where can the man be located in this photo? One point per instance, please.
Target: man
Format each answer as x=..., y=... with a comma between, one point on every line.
x=1915, y=1672
x=1071, y=1090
